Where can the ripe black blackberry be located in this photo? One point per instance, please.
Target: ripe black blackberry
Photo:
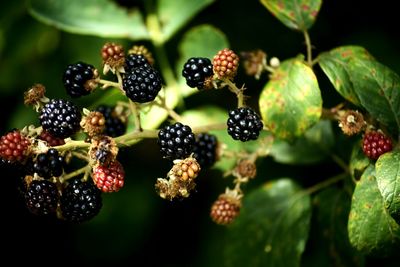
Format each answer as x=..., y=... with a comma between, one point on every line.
x=60, y=118
x=244, y=124
x=196, y=70
x=133, y=61
x=77, y=79
x=80, y=201
x=176, y=141
x=49, y=164
x=114, y=125
x=205, y=149
x=41, y=198
x=142, y=84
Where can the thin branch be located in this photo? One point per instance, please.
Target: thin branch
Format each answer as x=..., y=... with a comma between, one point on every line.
x=309, y=48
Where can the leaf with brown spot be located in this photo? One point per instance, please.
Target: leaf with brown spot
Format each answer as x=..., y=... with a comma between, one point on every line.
x=371, y=229
x=335, y=65
x=388, y=178
x=289, y=108
x=296, y=14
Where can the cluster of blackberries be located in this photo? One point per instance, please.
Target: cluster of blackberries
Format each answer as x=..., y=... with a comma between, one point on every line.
x=177, y=141
x=78, y=201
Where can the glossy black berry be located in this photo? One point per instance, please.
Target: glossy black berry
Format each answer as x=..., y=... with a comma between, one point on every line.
x=60, y=118
x=75, y=79
x=114, y=125
x=176, y=141
x=205, y=149
x=49, y=164
x=196, y=70
x=133, y=61
x=80, y=201
x=244, y=124
x=41, y=198
x=142, y=84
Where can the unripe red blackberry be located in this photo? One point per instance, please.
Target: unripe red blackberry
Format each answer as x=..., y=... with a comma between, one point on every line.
x=142, y=84
x=244, y=124
x=60, y=118
x=80, y=79
x=225, y=209
x=114, y=125
x=50, y=139
x=205, y=149
x=196, y=70
x=80, y=201
x=176, y=141
x=133, y=61
x=14, y=146
x=109, y=178
x=113, y=56
x=225, y=64
x=375, y=144
x=185, y=170
x=93, y=123
x=49, y=164
x=41, y=198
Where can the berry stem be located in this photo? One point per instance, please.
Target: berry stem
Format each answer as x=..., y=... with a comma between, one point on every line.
x=72, y=145
x=163, y=104
x=107, y=84
x=326, y=183
x=340, y=162
x=75, y=173
x=309, y=48
x=136, y=114
x=126, y=138
x=234, y=89
x=206, y=128
x=79, y=155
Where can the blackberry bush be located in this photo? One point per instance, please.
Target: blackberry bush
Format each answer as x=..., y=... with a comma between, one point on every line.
x=315, y=155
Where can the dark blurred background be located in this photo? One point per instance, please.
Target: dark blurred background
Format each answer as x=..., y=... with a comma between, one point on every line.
x=135, y=225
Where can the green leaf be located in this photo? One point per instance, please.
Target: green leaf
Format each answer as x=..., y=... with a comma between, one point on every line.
x=371, y=229
x=291, y=101
x=200, y=41
x=272, y=228
x=295, y=14
x=335, y=65
x=311, y=148
x=358, y=161
x=378, y=89
x=94, y=17
x=388, y=179
x=329, y=243
x=173, y=15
